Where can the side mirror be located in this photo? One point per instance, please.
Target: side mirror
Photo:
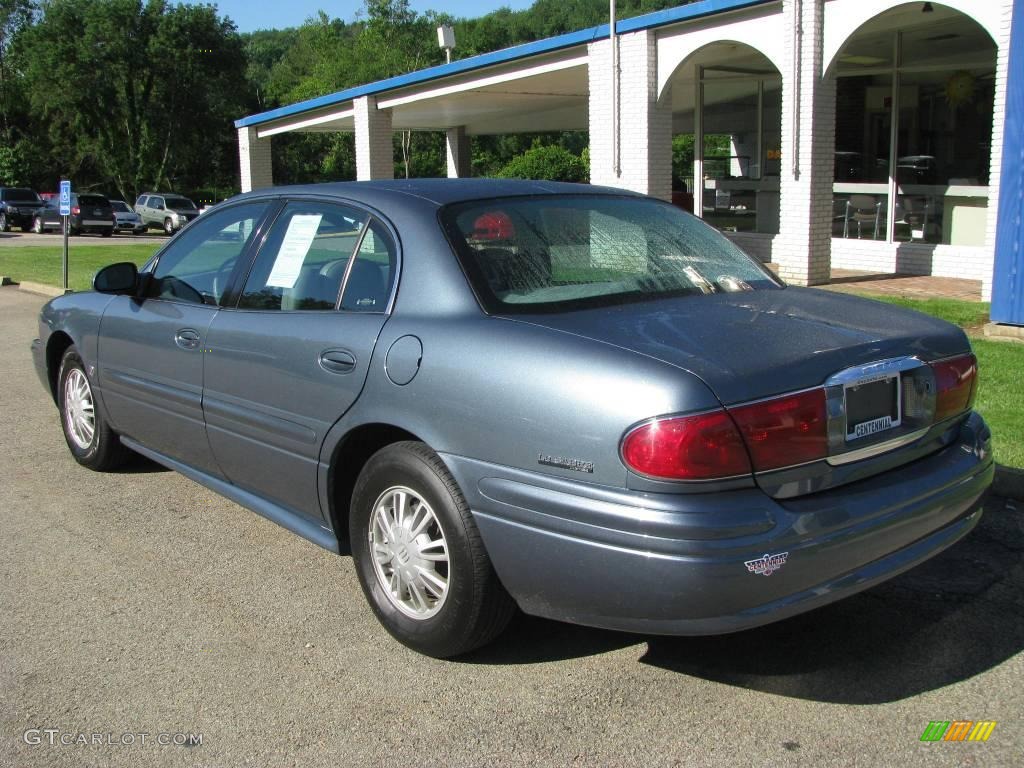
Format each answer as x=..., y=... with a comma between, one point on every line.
x=122, y=277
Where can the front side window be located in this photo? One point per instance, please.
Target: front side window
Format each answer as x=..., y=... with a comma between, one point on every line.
x=197, y=266
x=552, y=253
x=303, y=263
x=156, y=202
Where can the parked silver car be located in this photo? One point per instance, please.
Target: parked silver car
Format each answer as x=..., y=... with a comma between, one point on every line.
x=168, y=212
x=574, y=400
x=125, y=219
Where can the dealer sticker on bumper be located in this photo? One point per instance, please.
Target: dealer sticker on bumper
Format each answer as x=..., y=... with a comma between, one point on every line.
x=767, y=564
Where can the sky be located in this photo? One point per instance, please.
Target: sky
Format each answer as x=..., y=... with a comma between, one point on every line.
x=250, y=15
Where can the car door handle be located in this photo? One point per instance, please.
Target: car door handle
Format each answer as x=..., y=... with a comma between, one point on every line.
x=336, y=361
x=187, y=338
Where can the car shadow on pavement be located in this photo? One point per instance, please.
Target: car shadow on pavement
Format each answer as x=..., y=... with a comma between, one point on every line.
x=532, y=640
x=945, y=621
x=138, y=464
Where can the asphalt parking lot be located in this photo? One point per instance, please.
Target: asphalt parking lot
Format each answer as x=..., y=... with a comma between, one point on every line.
x=19, y=239
x=141, y=603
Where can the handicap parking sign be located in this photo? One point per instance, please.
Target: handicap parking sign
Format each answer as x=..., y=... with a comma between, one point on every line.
x=65, y=198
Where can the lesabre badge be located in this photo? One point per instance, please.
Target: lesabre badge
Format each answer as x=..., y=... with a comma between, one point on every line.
x=767, y=564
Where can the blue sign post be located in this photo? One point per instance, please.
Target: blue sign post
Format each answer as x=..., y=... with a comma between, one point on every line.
x=65, y=212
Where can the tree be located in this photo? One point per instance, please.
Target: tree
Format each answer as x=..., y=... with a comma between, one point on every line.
x=550, y=162
x=138, y=95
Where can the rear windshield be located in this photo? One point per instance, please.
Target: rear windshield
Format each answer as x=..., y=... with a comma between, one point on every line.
x=93, y=200
x=120, y=207
x=20, y=196
x=179, y=203
x=552, y=253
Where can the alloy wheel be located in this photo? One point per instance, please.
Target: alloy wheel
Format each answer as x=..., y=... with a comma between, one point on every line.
x=410, y=553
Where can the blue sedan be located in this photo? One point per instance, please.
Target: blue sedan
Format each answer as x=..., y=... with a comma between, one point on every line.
x=577, y=402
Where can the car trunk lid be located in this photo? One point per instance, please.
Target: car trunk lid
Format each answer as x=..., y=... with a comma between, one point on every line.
x=752, y=345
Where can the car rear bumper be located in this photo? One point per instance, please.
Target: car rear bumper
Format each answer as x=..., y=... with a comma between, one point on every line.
x=689, y=564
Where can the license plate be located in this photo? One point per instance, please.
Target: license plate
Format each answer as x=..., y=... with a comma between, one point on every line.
x=872, y=406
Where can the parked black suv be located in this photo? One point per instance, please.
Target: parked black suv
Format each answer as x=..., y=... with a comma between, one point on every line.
x=90, y=212
x=18, y=207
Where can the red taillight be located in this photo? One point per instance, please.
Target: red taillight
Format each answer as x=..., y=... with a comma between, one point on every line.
x=955, y=385
x=76, y=210
x=786, y=430
x=701, y=447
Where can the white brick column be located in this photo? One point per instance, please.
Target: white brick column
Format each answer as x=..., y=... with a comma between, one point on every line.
x=254, y=160
x=803, y=246
x=996, y=159
x=375, y=152
x=458, y=151
x=645, y=126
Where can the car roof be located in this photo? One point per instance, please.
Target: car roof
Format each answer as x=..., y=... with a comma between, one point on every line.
x=437, y=191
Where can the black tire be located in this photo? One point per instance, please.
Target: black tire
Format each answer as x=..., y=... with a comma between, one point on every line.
x=5, y=226
x=37, y=226
x=476, y=607
x=168, y=227
x=104, y=451
x=26, y=227
x=108, y=233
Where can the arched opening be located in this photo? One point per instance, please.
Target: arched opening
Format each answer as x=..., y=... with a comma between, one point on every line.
x=726, y=137
x=915, y=90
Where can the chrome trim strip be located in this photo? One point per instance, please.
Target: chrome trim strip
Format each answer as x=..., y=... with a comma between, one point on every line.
x=873, y=450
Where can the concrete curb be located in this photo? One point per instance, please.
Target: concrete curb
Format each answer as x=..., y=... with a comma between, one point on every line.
x=1009, y=482
x=1001, y=332
x=40, y=288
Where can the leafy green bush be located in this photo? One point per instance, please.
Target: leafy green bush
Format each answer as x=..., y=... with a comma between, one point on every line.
x=552, y=163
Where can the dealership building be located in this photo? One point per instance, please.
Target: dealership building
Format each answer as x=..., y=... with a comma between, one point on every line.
x=853, y=134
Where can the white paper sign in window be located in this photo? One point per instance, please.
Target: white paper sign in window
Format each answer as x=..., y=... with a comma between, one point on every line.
x=296, y=244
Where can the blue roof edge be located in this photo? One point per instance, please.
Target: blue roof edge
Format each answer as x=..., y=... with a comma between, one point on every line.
x=547, y=45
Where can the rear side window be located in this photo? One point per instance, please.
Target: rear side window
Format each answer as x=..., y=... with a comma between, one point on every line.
x=303, y=264
x=560, y=252
x=368, y=286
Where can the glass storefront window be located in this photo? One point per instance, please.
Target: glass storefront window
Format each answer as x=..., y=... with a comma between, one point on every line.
x=935, y=77
x=742, y=118
x=860, y=200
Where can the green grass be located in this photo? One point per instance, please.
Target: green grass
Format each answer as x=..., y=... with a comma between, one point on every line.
x=1001, y=365
x=42, y=264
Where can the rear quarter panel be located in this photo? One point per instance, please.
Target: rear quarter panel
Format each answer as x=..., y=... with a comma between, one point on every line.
x=507, y=393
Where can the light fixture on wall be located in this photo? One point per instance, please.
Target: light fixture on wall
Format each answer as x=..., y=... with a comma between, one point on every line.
x=927, y=8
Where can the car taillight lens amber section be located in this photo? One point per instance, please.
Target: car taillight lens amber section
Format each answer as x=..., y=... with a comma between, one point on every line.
x=701, y=447
x=956, y=384
x=784, y=431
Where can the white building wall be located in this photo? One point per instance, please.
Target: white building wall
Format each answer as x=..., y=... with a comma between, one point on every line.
x=645, y=133
x=803, y=245
x=375, y=152
x=254, y=160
